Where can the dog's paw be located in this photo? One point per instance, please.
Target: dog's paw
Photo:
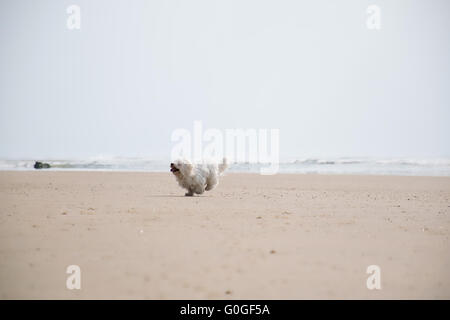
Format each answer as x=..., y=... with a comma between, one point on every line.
x=188, y=194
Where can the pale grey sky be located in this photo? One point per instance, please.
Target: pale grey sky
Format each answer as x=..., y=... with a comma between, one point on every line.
x=137, y=70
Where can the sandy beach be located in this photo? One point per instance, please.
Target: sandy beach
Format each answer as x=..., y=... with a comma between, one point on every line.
x=135, y=236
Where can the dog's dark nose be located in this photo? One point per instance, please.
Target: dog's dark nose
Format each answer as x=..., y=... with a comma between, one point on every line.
x=171, y=164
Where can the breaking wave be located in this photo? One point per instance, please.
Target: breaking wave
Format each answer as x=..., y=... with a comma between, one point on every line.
x=345, y=165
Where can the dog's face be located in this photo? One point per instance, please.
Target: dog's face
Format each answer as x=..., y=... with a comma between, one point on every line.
x=181, y=168
x=174, y=169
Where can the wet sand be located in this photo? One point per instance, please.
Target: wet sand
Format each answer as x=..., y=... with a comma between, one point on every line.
x=135, y=236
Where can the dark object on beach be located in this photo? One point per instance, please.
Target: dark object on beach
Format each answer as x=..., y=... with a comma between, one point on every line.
x=41, y=165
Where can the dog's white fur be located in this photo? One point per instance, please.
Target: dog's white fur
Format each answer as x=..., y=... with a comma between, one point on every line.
x=197, y=178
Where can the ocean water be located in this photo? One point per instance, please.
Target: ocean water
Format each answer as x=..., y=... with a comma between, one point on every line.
x=345, y=165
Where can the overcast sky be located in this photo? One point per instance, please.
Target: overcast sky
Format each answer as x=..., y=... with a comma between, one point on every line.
x=138, y=70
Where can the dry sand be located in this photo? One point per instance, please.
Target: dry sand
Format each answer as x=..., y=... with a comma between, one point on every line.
x=255, y=237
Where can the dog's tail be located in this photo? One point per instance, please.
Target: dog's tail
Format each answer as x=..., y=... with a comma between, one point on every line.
x=223, y=166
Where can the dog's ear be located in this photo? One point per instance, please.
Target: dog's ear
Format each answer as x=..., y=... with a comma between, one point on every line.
x=185, y=168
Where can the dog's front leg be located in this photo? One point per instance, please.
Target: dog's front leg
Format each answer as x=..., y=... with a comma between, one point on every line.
x=190, y=193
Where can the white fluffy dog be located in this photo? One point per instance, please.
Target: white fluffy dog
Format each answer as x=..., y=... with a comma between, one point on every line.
x=197, y=178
